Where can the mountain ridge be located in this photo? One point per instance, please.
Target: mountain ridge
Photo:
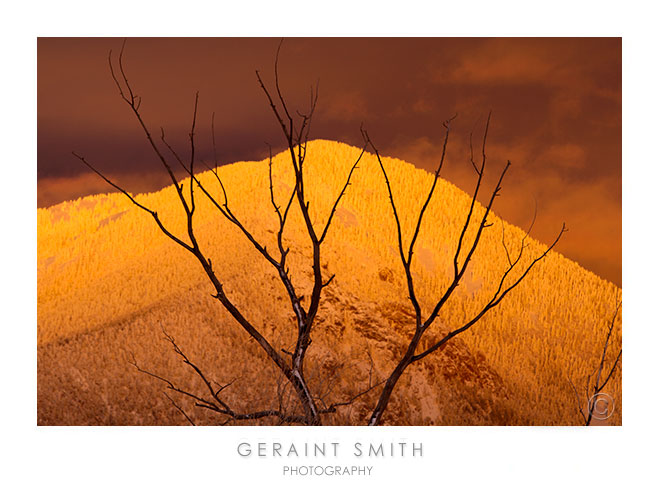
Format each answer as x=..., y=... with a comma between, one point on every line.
x=85, y=257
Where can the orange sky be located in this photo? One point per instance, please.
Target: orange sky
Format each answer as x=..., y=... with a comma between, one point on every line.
x=556, y=115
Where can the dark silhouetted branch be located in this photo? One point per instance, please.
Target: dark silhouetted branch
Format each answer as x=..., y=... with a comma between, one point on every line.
x=599, y=385
x=411, y=354
x=214, y=402
x=180, y=409
x=296, y=135
x=338, y=199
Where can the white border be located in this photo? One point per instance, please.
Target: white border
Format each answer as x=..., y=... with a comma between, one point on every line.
x=168, y=456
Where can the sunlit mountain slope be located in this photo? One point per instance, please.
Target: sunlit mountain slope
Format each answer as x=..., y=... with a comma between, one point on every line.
x=108, y=280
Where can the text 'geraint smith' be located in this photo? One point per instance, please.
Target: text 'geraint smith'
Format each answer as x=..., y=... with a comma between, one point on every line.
x=331, y=449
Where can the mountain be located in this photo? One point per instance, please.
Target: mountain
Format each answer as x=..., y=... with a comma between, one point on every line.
x=109, y=282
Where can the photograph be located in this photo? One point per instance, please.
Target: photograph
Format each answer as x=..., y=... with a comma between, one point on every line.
x=329, y=231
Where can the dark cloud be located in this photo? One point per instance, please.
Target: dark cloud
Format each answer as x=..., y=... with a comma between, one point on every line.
x=556, y=114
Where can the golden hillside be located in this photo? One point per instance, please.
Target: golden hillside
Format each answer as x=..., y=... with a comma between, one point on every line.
x=108, y=280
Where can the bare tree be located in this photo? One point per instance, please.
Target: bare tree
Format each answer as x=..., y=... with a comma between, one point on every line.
x=406, y=254
x=291, y=364
x=599, y=404
x=296, y=133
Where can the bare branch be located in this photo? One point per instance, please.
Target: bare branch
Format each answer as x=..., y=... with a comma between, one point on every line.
x=399, y=232
x=605, y=348
x=447, y=125
x=130, y=99
x=154, y=214
x=598, y=387
x=215, y=160
x=281, y=98
x=612, y=370
x=179, y=409
x=332, y=407
x=578, y=401
x=473, y=199
x=494, y=301
x=338, y=199
x=327, y=283
x=273, y=107
x=410, y=356
x=192, y=152
x=215, y=403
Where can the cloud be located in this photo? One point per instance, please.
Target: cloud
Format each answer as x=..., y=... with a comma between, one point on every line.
x=51, y=191
x=556, y=62
x=561, y=78
x=502, y=61
x=571, y=156
x=422, y=105
x=349, y=105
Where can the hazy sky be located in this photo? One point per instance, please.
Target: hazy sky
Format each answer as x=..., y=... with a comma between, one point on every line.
x=556, y=106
